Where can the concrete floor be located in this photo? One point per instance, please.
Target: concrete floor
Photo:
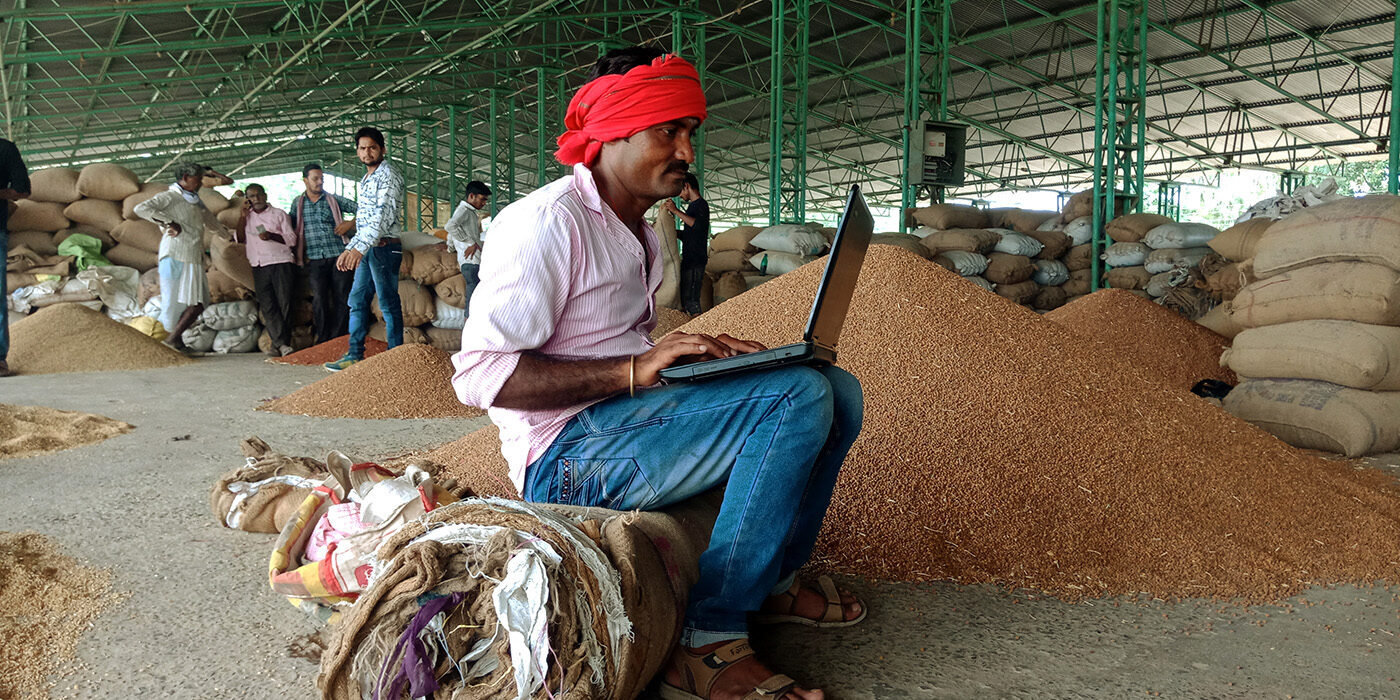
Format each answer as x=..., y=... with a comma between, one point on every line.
x=200, y=621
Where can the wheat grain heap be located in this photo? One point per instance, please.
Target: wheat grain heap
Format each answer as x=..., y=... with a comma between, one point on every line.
x=1001, y=448
x=74, y=338
x=33, y=430
x=409, y=381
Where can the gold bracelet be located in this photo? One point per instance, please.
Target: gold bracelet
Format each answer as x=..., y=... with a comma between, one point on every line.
x=632, y=376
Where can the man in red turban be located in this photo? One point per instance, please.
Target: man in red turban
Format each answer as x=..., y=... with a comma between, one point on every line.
x=557, y=348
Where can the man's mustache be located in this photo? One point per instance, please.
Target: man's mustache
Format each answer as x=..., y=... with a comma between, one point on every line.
x=679, y=166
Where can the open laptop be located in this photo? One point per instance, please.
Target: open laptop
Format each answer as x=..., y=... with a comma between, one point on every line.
x=833, y=300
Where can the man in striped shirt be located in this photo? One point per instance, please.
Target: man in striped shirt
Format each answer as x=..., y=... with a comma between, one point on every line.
x=556, y=347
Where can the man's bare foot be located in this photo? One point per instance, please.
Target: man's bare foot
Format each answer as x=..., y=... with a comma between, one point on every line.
x=726, y=670
x=811, y=603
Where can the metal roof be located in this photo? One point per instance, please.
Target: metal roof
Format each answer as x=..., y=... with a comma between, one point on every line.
x=263, y=86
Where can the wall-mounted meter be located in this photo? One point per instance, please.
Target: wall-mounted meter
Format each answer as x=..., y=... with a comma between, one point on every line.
x=939, y=147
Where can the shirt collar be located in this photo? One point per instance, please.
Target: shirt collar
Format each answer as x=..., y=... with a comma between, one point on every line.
x=191, y=197
x=587, y=187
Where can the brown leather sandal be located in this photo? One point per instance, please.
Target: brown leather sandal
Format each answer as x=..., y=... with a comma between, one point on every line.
x=700, y=671
x=833, y=616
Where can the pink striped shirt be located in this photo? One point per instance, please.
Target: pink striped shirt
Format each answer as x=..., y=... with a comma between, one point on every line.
x=562, y=277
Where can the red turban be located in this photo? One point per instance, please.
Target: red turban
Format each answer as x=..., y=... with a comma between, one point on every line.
x=615, y=106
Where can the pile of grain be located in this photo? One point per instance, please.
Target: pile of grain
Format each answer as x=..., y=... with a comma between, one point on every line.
x=410, y=381
x=330, y=351
x=475, y=461
x=667, y=320
x=74, y=338
x=1146, y=334
x=1002, y=448
x=31, y=430
x=48, y=600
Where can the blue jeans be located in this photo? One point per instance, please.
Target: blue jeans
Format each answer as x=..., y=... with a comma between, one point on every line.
x=378, y=274
x=471, y=272
x=4, y=302
x=775, y=441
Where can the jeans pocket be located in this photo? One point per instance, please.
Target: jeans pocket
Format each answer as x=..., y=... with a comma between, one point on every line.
x=616, y=483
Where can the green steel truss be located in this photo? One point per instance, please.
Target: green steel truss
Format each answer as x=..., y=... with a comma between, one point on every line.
x=806, y=96
x=1120, y=116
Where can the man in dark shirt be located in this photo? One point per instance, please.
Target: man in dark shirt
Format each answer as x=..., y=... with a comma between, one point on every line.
x=695, y=241
x=14, y=185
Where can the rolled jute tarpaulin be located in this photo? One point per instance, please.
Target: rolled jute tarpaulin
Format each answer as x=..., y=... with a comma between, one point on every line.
x=492, y=598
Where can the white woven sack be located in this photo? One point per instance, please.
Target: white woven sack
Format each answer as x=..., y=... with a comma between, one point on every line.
x=1051, y=224
x=1127, y=255
x=1162, y=283
x=199, y=337
x=1013, y=243
x=1050, y=273
x=774, y=262
x=243, y=339
x=965, y=263
x=790, y=238
x=923, y=231
x=230, y=315
x=1174, y=258
x=1180, y=235
x=981, y=282
x=448, y=316
x=1081, y=230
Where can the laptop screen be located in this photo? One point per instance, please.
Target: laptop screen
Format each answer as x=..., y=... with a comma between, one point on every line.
x=838, y=283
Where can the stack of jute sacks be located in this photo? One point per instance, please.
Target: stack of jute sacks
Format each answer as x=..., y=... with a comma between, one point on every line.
x=1022, y=255
x=744, y=257
x=1319, y=353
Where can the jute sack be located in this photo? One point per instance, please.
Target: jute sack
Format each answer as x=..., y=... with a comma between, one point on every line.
x=107, y=181
x=1320, y=416
x=416, y=303
x=1024, y=220
x=452, y=291
x=444, y=339
x=901, y=240
x=1008, y=269
x=1049, y=298
x=406, y=265
x=264, y=493
x=617, y=590
x=213, y=200
x=232, y=259
x=668, y=293
x=947, y=216
x=40, y=242
x=1132, y=228
x=729, y=285
x=1079, y=257
x=302, y=337
x=972, y=240
x=15, y=280
x=1135, y=277
x=1054, y=244
x=30, y=215
x=1163, y=282
x=1079, y=204
x=1226, y=282
x=97, y=213
x=131, y=256
x=147, y=191
x=1125, y=254
x=303, y=312
x=736, y=238
x=412, y=335
x=1240, y=241
x=139, y=233
x=1346, y=230
x=1079, y=282
x=1218, y=320
x=1020, y=292
x=223, y=288
x=54, y=185
x=1356, y=355
x=229, y=217
x=431, y=265
x=1344, y=291
x=732, y=260
x=1165, y=259
x=962, y=262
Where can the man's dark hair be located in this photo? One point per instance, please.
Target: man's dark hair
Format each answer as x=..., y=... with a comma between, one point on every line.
x=693, y=181
x=306, y=169
x=254, y=186
x=476, y=187
x=620, y=61
x=371, y=132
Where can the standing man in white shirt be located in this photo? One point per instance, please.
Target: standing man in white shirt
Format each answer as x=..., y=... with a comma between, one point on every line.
x=464, y=235
x=184, y=288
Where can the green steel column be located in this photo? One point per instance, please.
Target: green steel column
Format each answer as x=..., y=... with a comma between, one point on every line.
x=561, y=91
x=452, y=155
x=433, y=173
x=925, y=92
x=688, y=42
x=493, y=130
x=1393, y=181
x=1169, y=199
x=1290, y=180
x=510, y=147
x=1120, y=65
x=418, y=177
x=787, y=158
x=471, y=149
x=541, y=128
